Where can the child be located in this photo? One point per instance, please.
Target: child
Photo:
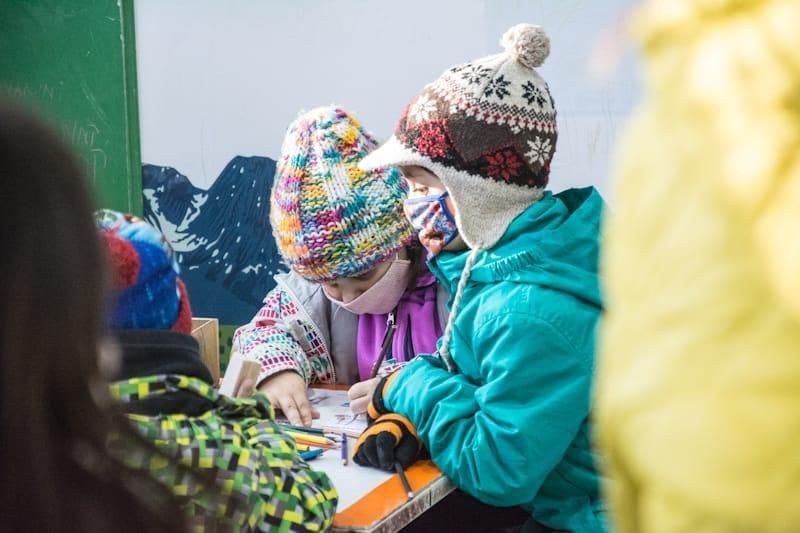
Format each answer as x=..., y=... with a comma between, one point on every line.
x=168, y=390
x=698, y=393
x=504, y=410
x=358, y=280
x=57, y=472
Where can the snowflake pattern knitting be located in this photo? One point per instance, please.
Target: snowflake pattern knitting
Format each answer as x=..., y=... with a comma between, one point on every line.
x=473, y=74
x=540, y=150
x=498, y=88
x=424, y=109
x=533, y=93
x=504, y=164
x=492, y=103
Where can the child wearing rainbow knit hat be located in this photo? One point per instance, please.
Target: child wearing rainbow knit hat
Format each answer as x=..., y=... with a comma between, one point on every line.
x=358, y=300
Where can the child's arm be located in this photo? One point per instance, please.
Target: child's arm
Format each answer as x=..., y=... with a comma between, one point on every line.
x=500, y=440
x=271, y=339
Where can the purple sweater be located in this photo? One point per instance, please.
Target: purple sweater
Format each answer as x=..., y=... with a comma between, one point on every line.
x=417, y=331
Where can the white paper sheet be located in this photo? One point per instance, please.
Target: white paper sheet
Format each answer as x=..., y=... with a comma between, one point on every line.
x=335, y=414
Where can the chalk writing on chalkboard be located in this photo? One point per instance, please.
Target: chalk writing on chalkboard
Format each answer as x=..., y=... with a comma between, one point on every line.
x=20, y=90
x=85, y=135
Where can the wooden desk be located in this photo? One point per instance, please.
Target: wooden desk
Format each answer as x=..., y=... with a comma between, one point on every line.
x=383, y=506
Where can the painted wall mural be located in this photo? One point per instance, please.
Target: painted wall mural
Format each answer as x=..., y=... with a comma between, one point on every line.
x=221, y=235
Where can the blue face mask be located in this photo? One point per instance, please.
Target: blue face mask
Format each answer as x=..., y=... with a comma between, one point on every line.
x=432, y=220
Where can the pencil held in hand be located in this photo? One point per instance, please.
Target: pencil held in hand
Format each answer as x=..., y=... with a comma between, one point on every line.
x=403, y=479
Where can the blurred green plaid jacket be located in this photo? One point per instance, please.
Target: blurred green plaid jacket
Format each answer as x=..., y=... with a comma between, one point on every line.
x=238, y=468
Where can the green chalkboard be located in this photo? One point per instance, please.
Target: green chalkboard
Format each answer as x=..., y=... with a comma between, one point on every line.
x=75, y=61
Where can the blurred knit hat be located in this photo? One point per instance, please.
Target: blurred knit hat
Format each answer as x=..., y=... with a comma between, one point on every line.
x=487, y=129
x=148, y=292
x=331, y=219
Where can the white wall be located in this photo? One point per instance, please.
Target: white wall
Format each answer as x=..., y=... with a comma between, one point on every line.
x=224, y=78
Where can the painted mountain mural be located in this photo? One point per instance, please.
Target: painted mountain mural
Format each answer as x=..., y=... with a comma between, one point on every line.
x=221, y=236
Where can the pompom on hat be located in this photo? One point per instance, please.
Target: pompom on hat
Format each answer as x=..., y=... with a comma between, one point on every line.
x=488, y=130
x=148, y=293
x=331, y=219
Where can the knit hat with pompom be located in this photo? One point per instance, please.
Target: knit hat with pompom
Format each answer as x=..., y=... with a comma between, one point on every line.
x=487, y=129
x=148, y=293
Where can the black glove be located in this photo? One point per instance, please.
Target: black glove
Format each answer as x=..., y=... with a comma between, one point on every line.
x=390, y=438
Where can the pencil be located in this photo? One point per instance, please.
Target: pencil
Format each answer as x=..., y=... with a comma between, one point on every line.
x=403, y=479
x=312, y=444
x=308, y=438
x=345, y=456
x=312, y=454
x=302, y=429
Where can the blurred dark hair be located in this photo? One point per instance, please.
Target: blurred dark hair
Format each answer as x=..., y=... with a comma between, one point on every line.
x=417, y=255
x=56, y=470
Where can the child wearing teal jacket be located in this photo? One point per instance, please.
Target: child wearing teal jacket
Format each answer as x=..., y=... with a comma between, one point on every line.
x=503, y=408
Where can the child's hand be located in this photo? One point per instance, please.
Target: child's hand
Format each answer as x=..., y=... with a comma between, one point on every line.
x=390, y=438
x=287, y=392
x=360, y=394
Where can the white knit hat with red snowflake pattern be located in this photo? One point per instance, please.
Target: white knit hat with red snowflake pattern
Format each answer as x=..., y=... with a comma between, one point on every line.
x=487, y=129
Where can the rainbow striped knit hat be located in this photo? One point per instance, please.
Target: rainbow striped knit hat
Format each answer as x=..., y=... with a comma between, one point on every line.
x=331, y=219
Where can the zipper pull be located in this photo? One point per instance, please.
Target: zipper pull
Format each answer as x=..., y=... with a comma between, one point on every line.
x=386, y=343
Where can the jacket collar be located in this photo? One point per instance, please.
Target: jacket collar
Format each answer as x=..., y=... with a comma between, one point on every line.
x=148, y=352
x=162, y=373
x=553, y=243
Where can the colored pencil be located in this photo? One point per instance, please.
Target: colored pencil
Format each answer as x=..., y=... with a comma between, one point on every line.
x=345, y=456
x=302, y=429
x=403, y=479
x=312, y=454
x=313, y=444
x=311, y=439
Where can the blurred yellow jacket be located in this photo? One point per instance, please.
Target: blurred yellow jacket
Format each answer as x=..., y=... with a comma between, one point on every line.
x=698, y=394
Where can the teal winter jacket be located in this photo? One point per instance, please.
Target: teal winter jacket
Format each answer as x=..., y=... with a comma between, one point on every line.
x=511, y=426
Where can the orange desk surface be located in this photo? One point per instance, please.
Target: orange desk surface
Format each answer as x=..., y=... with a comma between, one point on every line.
x=387, y=508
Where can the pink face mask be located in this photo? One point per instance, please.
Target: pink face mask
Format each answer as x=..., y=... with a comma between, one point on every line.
x=384, y=295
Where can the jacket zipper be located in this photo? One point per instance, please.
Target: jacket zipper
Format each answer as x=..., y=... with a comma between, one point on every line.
x=386, y=343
